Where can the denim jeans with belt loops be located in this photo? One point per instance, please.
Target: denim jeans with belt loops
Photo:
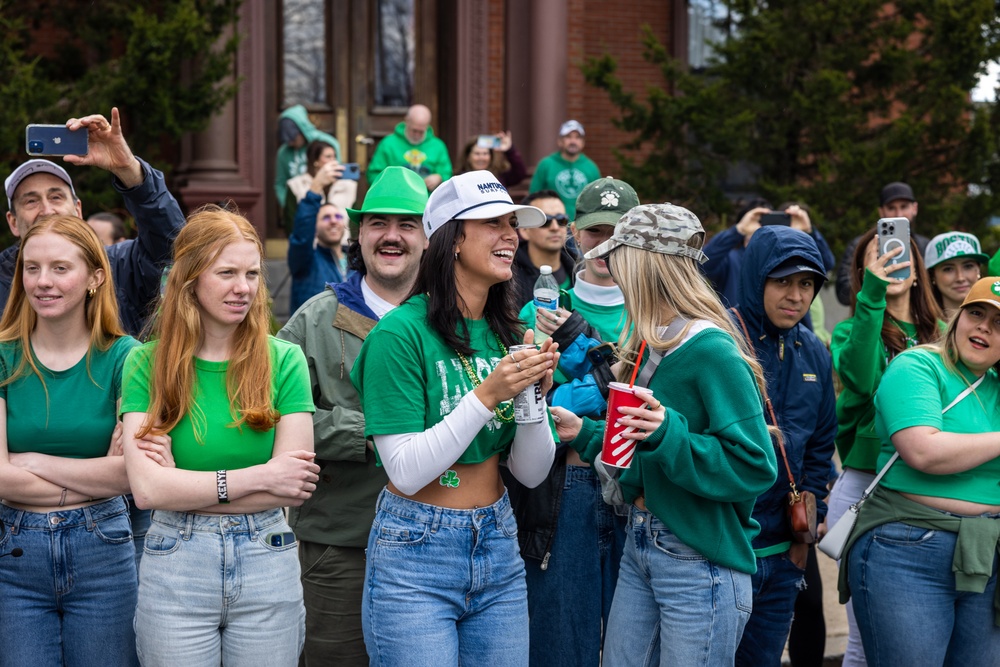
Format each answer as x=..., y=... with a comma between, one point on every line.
x=217, y=589
x=69, y=598
x=673, y=606
x=444, y=586
x=908, y=611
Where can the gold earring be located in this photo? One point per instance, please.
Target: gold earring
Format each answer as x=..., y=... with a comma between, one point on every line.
x=91, y=292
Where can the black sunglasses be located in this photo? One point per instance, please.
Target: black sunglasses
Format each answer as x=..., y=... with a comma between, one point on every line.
x=560, y=219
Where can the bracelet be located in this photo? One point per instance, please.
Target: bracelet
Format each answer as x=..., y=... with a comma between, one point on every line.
x=62, y=499
x=220, y=483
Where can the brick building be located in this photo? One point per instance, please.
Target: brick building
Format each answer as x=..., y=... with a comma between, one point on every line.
x=480, y=65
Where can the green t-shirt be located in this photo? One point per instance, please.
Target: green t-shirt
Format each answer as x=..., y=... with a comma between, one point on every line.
x=221, y=446
x=914, y=390
x=568, y=179
x=77, y=417
x=409, y=379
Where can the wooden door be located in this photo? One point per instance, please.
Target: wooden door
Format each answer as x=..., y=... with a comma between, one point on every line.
x=357, y=65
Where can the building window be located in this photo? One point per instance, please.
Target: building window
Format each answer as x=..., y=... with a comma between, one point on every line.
x=708, y=24
x=304, y=39
x=394, y=53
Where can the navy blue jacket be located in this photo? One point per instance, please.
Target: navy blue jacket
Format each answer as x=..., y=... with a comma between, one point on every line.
x=136, y=264
x=798, y=370
x=311, y=266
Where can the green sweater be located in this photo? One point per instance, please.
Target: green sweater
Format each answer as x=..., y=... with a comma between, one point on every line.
x=341, y=510
x=568, y=179
x=702, y=470
x=428, y=157
x=860, y=359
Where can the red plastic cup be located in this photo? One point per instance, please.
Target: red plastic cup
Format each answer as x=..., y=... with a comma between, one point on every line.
x=618, y=446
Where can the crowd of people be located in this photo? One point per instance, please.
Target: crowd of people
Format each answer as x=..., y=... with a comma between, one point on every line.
x=181, y=487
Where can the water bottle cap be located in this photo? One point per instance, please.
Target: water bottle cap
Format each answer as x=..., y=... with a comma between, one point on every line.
x=545, y=270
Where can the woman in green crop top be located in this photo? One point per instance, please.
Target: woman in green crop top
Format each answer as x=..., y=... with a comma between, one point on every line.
x=444, y=582
x=889, y=315
x=218, y=438
x=923, y=565
x=70, y=594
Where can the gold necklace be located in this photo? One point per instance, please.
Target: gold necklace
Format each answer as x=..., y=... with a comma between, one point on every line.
x=506, y=416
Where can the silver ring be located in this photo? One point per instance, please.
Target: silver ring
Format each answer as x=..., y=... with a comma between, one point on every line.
x=512, y=359
x=518, y=364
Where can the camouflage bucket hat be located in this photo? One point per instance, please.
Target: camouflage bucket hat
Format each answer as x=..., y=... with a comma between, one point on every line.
x=662, y=228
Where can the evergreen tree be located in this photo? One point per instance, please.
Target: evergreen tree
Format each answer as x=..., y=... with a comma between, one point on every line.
x=823, y=102
x=163, y=63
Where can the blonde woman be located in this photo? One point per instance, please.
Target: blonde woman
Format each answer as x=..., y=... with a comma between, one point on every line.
x=219, y=581
x=704, y=452
x=71, y=594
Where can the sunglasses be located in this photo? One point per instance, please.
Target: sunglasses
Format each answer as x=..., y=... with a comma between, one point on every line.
x=560, y=219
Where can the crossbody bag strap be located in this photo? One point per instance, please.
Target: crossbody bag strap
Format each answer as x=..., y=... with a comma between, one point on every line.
x=767, y=404
x=656, y=356
x=878, y=478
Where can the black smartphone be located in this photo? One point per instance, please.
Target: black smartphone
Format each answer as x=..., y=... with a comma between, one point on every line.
x=776, y=218
x=895, y=233
x=55, y=140
x=352, y=171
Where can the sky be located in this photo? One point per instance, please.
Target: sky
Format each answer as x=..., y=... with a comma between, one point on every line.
x=986, y=90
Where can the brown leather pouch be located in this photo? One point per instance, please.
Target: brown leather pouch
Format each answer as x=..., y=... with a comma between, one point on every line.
x=801, y=511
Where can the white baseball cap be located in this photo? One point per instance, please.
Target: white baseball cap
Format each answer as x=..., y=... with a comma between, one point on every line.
x=30, y=168
x=571, y=126
x=475, y=195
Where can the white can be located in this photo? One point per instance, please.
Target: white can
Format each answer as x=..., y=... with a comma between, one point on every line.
x=529, y=405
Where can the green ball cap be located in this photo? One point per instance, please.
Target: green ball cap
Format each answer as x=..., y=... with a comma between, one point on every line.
x=604, y=202
x=397, y=191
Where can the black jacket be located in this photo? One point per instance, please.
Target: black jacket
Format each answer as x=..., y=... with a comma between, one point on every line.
x=526, y=273
x=136, y=264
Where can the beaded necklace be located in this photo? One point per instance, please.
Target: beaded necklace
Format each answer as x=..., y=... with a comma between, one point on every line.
x=503, y=411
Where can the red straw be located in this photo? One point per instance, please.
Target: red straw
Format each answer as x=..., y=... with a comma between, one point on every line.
x=635, y=371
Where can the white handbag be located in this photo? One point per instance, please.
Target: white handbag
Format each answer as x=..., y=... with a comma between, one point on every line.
x=836, y=539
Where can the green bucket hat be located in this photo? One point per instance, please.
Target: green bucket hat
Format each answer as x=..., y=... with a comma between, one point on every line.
x=397, y=191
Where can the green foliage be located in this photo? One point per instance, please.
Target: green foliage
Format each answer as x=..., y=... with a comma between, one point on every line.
x=166, y=64
x=823, y=102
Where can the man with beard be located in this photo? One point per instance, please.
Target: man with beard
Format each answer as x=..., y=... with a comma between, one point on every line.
x=333, y=525
x=568, y=170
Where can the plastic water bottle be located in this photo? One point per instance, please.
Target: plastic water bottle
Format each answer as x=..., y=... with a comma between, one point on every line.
x=546, y=297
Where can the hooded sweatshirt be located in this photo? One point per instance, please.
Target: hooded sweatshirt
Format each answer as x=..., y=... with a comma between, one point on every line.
x=428, y=157
x=799, y=377
x=292, y=161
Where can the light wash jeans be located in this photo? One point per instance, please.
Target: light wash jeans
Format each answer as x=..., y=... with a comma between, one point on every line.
x=70, y=597
x=847, y=491
x=908, y=610
x=672, y=606
x=444, y=586
x=213, y=590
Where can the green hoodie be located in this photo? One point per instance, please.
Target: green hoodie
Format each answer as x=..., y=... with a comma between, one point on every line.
x=428, y=157
x=291, y=162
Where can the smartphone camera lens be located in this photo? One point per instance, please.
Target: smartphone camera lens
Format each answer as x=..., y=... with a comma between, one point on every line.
x=36, y=146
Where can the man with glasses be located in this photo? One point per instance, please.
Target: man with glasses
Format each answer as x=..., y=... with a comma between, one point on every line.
x=545, y=245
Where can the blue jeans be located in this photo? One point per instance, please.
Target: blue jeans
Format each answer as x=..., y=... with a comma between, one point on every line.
x=71, y=596
x=569, y=601
x=444, y=586
x=673, y=606
x=214, y=590
x=906, y=605
x=776, y=585
x=140, y=526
